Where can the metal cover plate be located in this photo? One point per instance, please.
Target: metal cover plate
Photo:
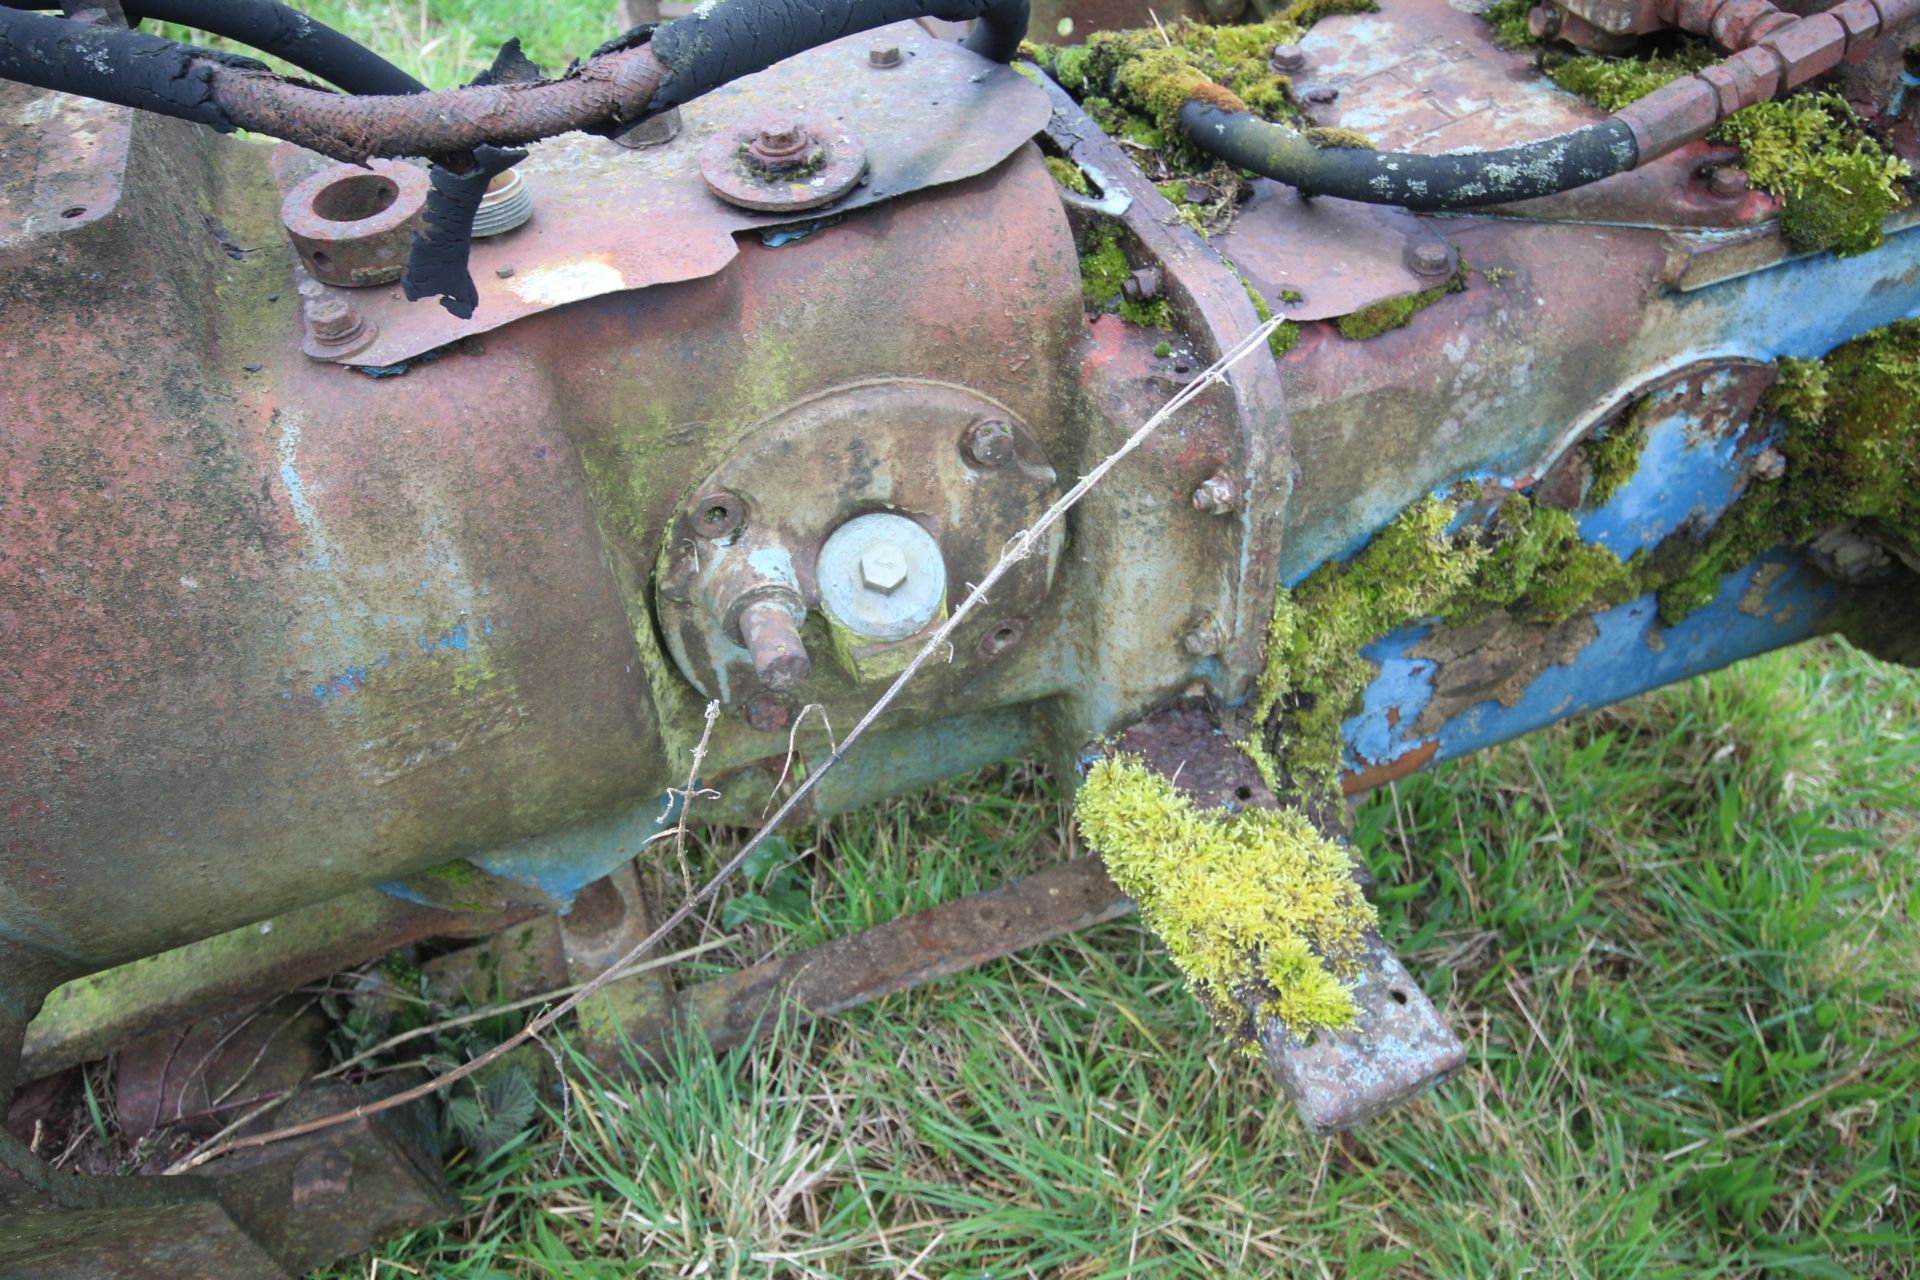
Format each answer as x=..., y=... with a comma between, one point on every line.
x=607, y=219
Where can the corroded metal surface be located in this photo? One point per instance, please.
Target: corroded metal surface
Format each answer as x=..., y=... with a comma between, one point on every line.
x=352, y=226
x=608, y=219
x=876, y=962
x=1399, y=1046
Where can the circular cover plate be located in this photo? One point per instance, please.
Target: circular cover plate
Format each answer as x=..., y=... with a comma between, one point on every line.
x=739, y=181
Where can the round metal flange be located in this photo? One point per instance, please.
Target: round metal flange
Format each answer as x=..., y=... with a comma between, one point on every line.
x=352, y=224
x=741, y=168
x=867, y=507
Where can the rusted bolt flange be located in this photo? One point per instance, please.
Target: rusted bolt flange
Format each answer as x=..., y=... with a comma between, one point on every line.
x=883, y=54
x=1287, y=57
x=1544, y=21
x=770, y=629
x=351, y=226
x=1429, y=258
x=768, y=714
x=1728, y=182
x=990, y=444
x=718, y=515
x=1001, y=637
x=1215, y=495
x=334, y=329
x=1322, y=94
x=782, y=162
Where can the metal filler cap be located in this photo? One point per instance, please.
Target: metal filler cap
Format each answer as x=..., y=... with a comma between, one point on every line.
x=882, y=577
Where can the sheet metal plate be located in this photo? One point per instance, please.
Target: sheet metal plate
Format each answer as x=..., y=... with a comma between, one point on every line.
x=608, y=219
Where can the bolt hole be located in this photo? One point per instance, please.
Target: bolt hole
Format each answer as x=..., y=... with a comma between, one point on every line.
x=1243, y=793
x=1397, y=995
x=353, y=198
x=717, y=515
x=73, y=211
x=321, y=260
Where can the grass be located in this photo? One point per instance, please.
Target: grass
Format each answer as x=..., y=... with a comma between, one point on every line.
x=1681, y=938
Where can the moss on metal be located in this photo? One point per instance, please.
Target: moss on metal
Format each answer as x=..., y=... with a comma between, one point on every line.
x=1837, y=183
x=1286, y=334
x=1612, y=83
x=1067, y=174
x=1612, y=456
x=1388, y=314
x=1258, y=909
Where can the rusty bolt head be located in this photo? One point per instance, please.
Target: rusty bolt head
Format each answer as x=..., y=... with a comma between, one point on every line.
x=768, y=714
x=1143, y=285
x=1204, y=640
x=989, y=443
x=321, y=1176
x=1728, y=181
x=331, y=320
x=1215, y=496
x=883, y=53
x=1543, y=21
x=1771, y=464
x=1287, y=57
x=1322, y=94
x=1429, y=258
x=883, y=568
x=781, y=138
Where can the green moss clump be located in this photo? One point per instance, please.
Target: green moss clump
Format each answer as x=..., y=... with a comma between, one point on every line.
x=1838, y=185
x=1395, y=313
x=1157, y=314
x=1103, y=267
x=1613, y=456
x=1340, y=140
x=1611, y=83
x=1412, y=569
x=1285, y=335
x=1067, y=174
x=1508, y=18
x=1256, y=908
x=1163, y=349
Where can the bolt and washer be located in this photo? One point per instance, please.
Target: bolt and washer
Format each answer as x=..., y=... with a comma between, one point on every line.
x=1216, y=495
x=1287, y=57
x=332, y=322
x=883, y=568
x=1205, y=639
x=1322, y=94
x=780, y=143
x=768, y=714
x=1429, y=258
x=654, y=131
x=771, y=629
x=1728, y=182
x=1544, y=21
x=883, y=53
x=990, y=443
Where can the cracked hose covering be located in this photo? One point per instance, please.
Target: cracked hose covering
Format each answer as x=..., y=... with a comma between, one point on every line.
x=724, y=40
x=437, y=258
x=1451, y=181
x=116, y=65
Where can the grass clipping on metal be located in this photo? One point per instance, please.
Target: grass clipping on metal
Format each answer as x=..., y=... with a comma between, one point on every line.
x=1258, y=909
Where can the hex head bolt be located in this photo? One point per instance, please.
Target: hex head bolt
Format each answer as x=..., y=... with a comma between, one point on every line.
x=1287, y=57
x=883, y=53
x=331, y=320
x=1429, y=258
x=772, y=635
x=782, y=144
x=990, y=444
x=883, y=568
x=1215, y=495
x=1728, y=182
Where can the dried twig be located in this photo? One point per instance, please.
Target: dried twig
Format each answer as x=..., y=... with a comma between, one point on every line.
x=1018, y=548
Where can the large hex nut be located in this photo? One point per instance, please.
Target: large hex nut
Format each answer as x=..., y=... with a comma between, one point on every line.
x=352, y=226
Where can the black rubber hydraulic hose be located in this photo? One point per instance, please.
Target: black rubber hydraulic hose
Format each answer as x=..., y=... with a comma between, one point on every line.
x=272, y=28
x=1427, y=182
x=722, y=42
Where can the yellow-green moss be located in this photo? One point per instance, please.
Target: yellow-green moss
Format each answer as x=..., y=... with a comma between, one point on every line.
x=1340, y=140
x=1395, y=313
x=1067, y=174
x=1157, y=314
x=1612, y=456
x=1163, y=349
x=1508, y=18
x=1286, y=334
x=1103, y=267
x=1611, y=83
x=1258, y=909
x=1836, y=183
